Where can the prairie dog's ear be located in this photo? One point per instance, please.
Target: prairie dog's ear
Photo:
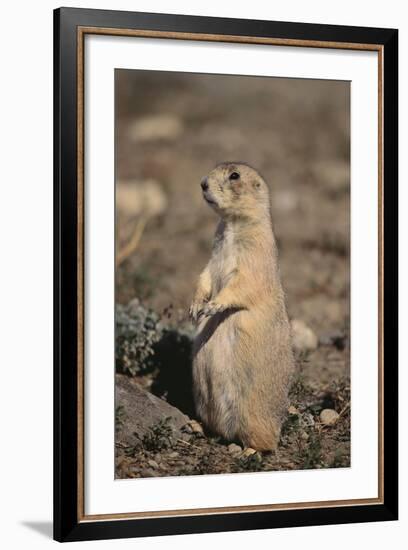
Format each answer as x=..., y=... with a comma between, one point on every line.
x=256, y=184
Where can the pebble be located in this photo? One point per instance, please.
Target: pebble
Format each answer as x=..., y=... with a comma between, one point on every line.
x=147, y=472
x=140, y=197
x=328, y=417
x=303, y=337
x=234, y=449
x=248, y=452
x=293, y=410
x=152, y=463
x=173, y=454
x=155, y=127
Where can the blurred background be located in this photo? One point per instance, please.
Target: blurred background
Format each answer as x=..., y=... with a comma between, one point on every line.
x=173, y=128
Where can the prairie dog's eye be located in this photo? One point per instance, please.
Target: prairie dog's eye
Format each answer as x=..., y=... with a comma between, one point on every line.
x=234, y=176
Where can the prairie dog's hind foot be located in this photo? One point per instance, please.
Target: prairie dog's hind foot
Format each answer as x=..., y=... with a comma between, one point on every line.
x=261, y=437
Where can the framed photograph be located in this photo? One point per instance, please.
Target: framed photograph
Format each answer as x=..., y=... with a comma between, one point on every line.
x=225, y=274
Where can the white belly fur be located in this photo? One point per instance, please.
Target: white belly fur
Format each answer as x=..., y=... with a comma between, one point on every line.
x=217, y=394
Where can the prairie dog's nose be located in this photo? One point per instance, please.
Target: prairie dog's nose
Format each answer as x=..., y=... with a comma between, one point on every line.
x=204, y=184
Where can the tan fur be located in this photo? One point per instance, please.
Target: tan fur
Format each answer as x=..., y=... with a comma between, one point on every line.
x=243, y=359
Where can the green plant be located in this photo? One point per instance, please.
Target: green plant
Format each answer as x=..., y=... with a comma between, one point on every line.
x=137, y=330
x=340, y=459
x=311, y=454
x=158, y=437
x=298, y=389
x=252, y=463
x=120, y=416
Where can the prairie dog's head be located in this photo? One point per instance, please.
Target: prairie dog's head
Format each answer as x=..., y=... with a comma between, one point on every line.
x=234, y=189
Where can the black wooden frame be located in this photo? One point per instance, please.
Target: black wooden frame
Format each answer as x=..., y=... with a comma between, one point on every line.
x=66, y=524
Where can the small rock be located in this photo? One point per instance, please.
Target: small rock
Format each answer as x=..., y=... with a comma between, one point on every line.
x=155, y=127
x=293, y=410
x=248, y=452
x=140, y=197
x=328, y=417
x=152, y=463
x=142, y=411
x=173, y=454
x=147, y=472
x=234, y=449
x=303, y=337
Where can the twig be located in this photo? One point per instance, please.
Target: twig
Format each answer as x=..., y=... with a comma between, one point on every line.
x=133, y=242
x=187, y=443
x=343, y=410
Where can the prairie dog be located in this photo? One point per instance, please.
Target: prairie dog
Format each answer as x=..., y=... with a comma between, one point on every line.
x=242, y=354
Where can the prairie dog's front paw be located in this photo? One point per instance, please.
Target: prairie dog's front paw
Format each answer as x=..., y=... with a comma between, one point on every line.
x=195, y=309
x=211, y=308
